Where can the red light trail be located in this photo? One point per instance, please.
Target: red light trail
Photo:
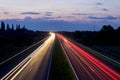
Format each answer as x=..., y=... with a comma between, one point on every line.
x=86, y=65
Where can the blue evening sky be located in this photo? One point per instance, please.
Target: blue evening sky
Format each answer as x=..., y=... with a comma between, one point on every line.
x=55, y=15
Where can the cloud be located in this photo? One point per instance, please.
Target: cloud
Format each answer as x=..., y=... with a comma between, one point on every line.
x=58, y=17
x=104, y=9
x=28, y=18
x=70, y=16
x=46, y=24
x=48, y=13
x=32, y=13
x=107, y=17
x=99, y=3
x=5, y=12
x=80, y=14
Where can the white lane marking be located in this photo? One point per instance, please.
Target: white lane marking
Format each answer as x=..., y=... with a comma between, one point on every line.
x=22, y=51
x=50, y=62
x=69, y=60
x=30, y=69
x=20, y=70
x=14, y=69
x=31, y=55
x=116, y=63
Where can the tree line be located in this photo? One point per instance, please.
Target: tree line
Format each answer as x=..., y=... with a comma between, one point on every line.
x=14, y=38
x=107, y=35
x=6, y=27
x=18, y=35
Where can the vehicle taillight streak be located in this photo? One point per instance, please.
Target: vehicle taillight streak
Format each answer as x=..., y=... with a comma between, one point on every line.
x=86, y=65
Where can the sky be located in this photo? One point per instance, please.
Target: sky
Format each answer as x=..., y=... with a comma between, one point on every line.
x=59, y=15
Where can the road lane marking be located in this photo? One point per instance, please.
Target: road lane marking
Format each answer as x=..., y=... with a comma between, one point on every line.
x=69, y=60
x=20, y=70
x=50, y=62
x=110, y=60
x=15, y=69
x=22, y=51
x=30, y=69
x=19, y=67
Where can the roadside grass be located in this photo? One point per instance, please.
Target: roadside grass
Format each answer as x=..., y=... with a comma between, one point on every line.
x=111, y=51
x=9, y=51
x=60, y=68
x=114, y=48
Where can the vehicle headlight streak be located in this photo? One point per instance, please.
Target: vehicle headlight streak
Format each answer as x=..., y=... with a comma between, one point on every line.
x=39, y=53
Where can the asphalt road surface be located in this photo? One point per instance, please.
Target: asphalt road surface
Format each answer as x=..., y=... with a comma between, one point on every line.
x=36, y=65
x=86, y=66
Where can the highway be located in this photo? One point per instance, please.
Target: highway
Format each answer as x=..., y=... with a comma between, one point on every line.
x=36, y=65
x=86, y=66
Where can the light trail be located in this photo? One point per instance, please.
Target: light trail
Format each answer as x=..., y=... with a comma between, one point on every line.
x=34, y=59
x=86, y=65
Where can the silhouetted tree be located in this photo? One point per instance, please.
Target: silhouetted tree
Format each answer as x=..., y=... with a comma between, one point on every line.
x=8, y=27
x=2, y=26
x=24, y=27
x=77, y=34
x=118, y=29
x=12, y=27
x=17, y=27
x=107, y=28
